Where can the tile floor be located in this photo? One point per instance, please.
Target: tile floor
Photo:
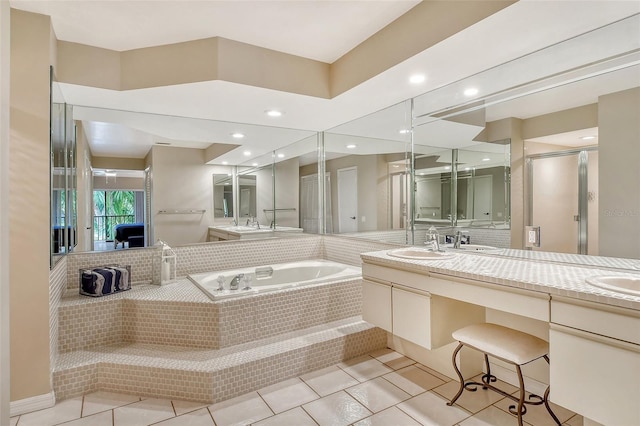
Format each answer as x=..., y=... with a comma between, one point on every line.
x=383, y=388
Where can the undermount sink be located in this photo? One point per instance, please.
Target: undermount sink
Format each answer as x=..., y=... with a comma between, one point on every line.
x=472, y=247
x=420, y=254
x=627, y=285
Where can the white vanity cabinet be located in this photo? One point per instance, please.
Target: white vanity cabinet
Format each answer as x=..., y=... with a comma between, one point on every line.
x=414, y=314
x=595, y=360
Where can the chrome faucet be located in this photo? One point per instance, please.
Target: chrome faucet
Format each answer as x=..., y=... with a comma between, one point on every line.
x=235, y=282
x=458, y=239
x=433, y=239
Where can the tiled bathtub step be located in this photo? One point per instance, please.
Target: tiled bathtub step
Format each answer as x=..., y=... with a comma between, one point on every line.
x=212, y=375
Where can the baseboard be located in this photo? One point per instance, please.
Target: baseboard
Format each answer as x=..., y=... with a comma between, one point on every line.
x=34, y=403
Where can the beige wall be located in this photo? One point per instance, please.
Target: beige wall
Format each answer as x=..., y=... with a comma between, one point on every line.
x=29, y=204
x=619, y=174
x=118, y=183
x=181, y=180
x=5, y=366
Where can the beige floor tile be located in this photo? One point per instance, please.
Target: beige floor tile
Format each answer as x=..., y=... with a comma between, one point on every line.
x=392, y=359
x=295, y=417
x=102, y=401
x=364, y=368
x=329, y=380
x=182, y=407
x=285, y=395
x=413, y=380
x=576, y=420
x=104, y=418
x=242, y=410
x=490, y=416
x=377, y=394
x=470, y=401
x=390, y=416
x=430, y=409
x=538, y=415
x=200, y=417
x=338, y=409
x=440, y=376
x=142, y=413
x=63, y=411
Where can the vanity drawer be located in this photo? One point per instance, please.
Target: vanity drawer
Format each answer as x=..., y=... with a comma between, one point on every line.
x=595, y=376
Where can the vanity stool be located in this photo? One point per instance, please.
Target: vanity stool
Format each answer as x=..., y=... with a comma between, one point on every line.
x=512, y=346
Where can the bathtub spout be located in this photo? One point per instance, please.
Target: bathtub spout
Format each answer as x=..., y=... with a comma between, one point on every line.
x=235, y=281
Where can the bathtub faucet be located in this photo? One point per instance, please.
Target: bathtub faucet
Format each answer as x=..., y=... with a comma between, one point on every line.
x=235, y=281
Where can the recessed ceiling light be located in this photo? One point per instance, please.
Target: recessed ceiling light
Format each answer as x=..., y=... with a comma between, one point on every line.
x=237, y=135
x=421, y=173
x=467, y=168
x=587, y=138
x=472, y=91
x=224, y=163
x=247, y=153
x=254, y=164
x=405, y=131
x=447, y=167
x=396, y=166
x=280, y=155
x=273, y=113
x=417, y=78
x=486, y=159
x=351, y=146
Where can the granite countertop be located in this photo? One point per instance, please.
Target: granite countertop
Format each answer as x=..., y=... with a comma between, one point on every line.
x=537, y=275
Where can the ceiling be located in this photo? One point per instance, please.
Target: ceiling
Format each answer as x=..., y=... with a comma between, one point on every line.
x=128, y=123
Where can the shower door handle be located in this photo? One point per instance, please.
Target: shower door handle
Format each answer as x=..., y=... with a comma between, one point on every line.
x=352, y=217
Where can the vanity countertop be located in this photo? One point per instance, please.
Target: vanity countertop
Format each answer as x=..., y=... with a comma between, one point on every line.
x=544, y=276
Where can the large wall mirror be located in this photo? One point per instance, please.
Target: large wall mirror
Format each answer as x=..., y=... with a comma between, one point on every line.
x=445, y=158
x=63, y=176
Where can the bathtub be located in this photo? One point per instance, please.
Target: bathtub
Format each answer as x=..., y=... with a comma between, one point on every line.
x=282, y=276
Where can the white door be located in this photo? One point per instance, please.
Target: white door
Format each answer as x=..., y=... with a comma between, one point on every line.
x=348, y=200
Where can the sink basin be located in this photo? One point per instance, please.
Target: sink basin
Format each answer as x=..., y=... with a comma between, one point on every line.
x=627, y=285
x=420, y=254
x=472, y=247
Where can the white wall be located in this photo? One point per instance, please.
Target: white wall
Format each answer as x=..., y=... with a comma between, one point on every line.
x=181, y=181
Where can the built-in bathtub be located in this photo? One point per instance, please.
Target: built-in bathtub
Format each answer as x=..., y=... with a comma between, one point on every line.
x=268, y=278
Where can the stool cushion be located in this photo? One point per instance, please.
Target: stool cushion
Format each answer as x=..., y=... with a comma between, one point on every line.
x=502, y=342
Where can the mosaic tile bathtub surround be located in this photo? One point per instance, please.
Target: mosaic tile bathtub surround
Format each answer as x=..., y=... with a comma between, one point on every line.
x=138, y=317
x=173, y=341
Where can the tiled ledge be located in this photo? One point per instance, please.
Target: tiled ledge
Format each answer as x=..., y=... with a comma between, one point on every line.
x=212, y=375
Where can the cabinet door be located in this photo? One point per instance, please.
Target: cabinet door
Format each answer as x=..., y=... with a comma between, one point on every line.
x=376, y=304
x=595, y=376
x=412, y=316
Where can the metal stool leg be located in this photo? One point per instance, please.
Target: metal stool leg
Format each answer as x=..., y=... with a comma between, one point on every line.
x=455, y=367
x=546, y=399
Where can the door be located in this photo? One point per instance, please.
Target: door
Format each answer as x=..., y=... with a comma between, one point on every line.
x=482, y=198
x=348, y=200
x=563, y=200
